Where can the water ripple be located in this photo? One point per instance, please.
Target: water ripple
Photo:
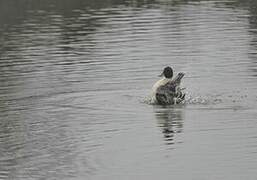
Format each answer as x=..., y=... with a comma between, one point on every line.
x=74, y=74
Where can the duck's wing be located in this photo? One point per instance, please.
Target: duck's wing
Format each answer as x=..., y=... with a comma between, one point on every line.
x=173, y=85
x=178, y=78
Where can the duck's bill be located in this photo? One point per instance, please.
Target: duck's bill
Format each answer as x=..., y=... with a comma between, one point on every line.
x=160, y=75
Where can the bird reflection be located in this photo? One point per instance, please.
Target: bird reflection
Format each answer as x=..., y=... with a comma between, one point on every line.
x=170, y=119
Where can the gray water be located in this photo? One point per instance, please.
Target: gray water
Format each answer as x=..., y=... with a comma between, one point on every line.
x=76, y=75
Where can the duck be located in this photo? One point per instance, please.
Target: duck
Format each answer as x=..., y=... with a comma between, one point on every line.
x=167, y=90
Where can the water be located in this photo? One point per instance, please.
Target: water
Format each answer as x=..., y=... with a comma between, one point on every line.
x=75, y=77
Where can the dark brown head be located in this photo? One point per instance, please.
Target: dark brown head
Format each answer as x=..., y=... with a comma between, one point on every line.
x=167, y=72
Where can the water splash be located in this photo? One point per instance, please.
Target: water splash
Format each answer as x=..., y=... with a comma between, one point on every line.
x=147, y=100
x=189, y=99
x=199, y=100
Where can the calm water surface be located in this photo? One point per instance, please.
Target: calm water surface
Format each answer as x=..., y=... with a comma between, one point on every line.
x=75, y=77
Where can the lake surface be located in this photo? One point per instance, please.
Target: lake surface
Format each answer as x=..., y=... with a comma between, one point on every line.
x=76, y=75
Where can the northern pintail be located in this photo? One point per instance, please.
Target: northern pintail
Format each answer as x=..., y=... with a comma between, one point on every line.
x=167, y=91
